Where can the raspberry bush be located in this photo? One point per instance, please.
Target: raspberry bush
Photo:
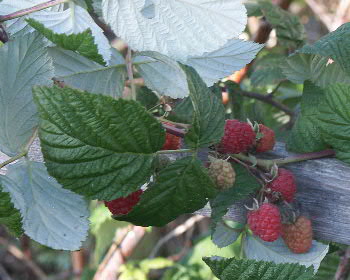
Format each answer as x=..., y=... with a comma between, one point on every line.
x=161, y=127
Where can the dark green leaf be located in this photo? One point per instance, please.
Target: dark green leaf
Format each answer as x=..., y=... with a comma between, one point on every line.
x=306, y=135
x=182, y=187
x=335, y=119
x=228, y=269
x=95, y=145
x=209, y=113
x=183, y=112
x=9, y=215
x=290, y=31
x=82, y=43
x=245, y=184
x=146, y=97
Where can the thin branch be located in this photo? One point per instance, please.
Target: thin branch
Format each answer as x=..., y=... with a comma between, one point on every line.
x=176, y=232
x=343, y=271
x=13, y=250
x=33, y=9
x=269, y=100
x=128, y=61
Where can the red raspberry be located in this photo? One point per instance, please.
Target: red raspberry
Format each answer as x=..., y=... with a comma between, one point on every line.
x=172, y=142
x=238, y=137
x=284, y=184
x=265, y=222
x=267, y=141
x=298, y=236
x=123, y=205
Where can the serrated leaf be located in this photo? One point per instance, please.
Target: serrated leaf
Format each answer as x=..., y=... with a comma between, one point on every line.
x=335, y=119
x=218, y=64
x=52, y=216
x=278, y=252
x=24, y=63
x=69, y=19
x=290, y=31
x=306, y=136
x=146, y=97
x=82, y=43
x=334, y=45
x=178, y=29
x=182, y=187
x=209, y=113
x=9, y=215
x=245, y=184
x=81, y=73
x=223, y=235
x=183, y=112
x=227, y=269
x=267, y=70
x=301, y=67
x=95, y=145
x=161, y=74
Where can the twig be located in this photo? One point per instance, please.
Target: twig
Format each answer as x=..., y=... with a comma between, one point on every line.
x=175, y=232
x=116, y=256
x=78, y=263
x=343, y=270
x=174, y=131
x=269, y=100
x=33, y=9
x=128, y=61
x=322, y=12
x=13, y=250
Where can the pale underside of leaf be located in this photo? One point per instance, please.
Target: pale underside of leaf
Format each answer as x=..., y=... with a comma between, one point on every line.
x=175, y=28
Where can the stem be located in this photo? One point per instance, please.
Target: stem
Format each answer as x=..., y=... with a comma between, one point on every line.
x=174, y=131
x=267, y=163
x=175, y=151
x=128, y=60
x=183, y=125
x=33, y=9
x=343, y=270
x=22, y=154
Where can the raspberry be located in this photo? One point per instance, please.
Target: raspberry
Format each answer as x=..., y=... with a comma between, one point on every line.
x=298, y=236
x=267, y=141
x=238, y=137
x=284, y=184
x=123, y=205
x=265, y=222
x=222, y=174
x=172, y=142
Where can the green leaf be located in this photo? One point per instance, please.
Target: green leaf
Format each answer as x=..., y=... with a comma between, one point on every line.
x=278, y=252
x=209, y=113
x=146, y=97
x=9, y=215
x=224, y=235
x=335, y=45
x=253, y=8
x=24, y=63
x=182, y=187
x=267, y=70
x=335, y=119
x=95, y=145
x=79, y=72
x=306, y=135
x=290, y=31
x=328, y=267
x=300, y=67
x=82, y=43
x=52, y=216
x=183, y=112
x=228, y=269
x=245, y=184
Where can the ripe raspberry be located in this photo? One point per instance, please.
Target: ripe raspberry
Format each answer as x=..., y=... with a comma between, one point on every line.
x=238, y=137
x=172, y=142
x=222, y=174
x=298, y=236
x=267, y=141
x=123, y=205
x=265, y=222
x=285, y=184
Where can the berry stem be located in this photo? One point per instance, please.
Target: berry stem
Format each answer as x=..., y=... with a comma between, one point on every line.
x=175, y=151
x=174, y=131
x=267, y=164
x=33, y=9
x=183, y=125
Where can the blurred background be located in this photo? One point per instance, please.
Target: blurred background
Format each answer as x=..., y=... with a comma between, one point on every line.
x=116, y=250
